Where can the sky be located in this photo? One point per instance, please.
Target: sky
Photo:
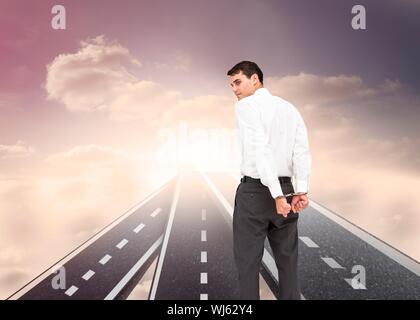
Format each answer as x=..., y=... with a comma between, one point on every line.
x=92, y=117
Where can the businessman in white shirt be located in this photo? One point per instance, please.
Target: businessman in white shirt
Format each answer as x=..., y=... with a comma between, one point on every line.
x=274, y=147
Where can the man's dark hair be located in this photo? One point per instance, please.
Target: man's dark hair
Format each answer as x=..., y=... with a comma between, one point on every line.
x=248, y=68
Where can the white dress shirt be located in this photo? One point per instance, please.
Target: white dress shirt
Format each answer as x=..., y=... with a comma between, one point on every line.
x=273, y=141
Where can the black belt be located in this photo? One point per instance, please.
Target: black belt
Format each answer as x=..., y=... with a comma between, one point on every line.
x=250, y=179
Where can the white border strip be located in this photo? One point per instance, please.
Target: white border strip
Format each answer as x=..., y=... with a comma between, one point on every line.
x=123, y=282
x=166, y=238
x=20, y=292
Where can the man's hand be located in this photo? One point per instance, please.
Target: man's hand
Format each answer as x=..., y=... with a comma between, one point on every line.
x=282, y=206
x=299, y=202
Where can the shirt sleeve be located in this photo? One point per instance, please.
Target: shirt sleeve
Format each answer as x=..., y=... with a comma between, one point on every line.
x=250, y=124
x=301, y=157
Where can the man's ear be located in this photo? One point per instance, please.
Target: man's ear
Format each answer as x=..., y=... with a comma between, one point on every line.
x=254, y=79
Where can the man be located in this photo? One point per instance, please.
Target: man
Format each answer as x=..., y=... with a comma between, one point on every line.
x=274, y=146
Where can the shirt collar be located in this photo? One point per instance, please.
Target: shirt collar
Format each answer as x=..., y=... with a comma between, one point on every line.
x=262, y=91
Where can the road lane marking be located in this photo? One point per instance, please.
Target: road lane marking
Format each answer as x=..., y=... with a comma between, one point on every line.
x=105, y=259
x=139, y=227
x=267, y=260
x=308, y=241
x=204, y=296
x=203, y=277
x=203, y=235
x=70, y=291
x=122, y=243
x=203, y=214
x=155, y=213
x=332, y=263
x=203, y=256
x=88, y=275
x=126, y=279
x=166, y=238
x=47, y=272
x=396, y=255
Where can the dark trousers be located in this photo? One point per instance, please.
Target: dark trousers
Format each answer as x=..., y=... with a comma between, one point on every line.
x=255, y=218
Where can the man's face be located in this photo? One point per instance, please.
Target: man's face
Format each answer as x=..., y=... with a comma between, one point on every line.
x=242, y=86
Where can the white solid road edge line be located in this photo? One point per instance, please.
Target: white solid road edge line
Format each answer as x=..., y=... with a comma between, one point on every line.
x=20, y=292
x=267, y=259
x=166, y=238
x=123, y=282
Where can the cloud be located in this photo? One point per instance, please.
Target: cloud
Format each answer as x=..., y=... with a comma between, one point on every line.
x=87, y=80
x=141, y=291
x=10, y=277
x=181, y=62
x=9, y=256
x=18, y=150
x=341, y=108
x=205, y=111
x=91, y=153
x=96, y=78
x=144, y=100
x=305, y=88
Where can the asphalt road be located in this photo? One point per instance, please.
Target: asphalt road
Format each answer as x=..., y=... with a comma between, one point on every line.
x=187, y=224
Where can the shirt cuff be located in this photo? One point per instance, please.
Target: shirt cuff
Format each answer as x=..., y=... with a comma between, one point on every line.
x=275, y=189
x=301, y=186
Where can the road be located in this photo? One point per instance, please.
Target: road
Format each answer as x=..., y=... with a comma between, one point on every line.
x=187, y=224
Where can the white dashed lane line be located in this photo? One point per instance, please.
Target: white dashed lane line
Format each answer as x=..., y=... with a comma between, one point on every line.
x=122, y=243
x=332, y=263
x=88, y=275
x=139, y=227
x=70, y=291
x=203, y=235
x=203, y=277
x=203, y=256
x=127, y=278
x=105, y=259
x=309, y=243
x=156, y=212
